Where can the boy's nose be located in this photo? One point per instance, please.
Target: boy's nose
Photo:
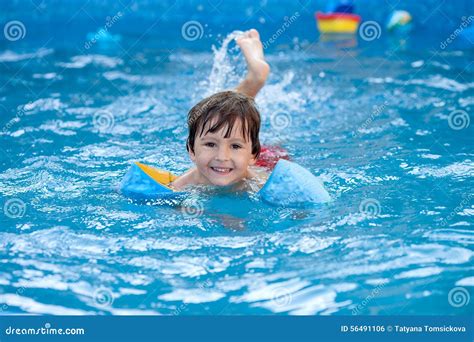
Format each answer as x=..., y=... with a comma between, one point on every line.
x=223, y=154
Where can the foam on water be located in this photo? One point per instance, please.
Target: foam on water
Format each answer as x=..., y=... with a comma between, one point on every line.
x=79, y=62
x=12, y=56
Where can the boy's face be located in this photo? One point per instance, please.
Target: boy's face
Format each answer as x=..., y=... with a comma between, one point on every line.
x=222, y=161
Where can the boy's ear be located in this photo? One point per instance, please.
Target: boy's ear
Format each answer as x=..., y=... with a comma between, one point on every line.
x=253, y=160
x=191, y=155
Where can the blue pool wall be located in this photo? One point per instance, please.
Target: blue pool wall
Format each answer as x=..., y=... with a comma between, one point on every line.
x=63, y=22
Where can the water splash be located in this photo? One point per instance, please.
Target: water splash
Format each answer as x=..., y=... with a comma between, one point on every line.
x=226, y=74
x=223, y=73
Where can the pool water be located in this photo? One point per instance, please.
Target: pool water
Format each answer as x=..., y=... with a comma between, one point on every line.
x=374, y=121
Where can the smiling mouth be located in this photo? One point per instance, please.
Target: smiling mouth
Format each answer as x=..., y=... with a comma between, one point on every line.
x=221, y=170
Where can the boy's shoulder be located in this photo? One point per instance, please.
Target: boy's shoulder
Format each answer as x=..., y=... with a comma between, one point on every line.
x=183, y=180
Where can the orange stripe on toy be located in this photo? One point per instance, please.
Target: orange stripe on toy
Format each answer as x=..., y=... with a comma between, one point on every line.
x=160, y=176
x=337, y=22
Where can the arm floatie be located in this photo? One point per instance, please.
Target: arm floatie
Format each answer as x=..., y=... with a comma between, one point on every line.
x=145, y=182
x=289, y=184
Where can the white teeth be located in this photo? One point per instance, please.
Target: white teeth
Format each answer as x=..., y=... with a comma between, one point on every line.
x=218, y=169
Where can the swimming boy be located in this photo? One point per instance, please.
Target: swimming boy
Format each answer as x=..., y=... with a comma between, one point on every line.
x=223, y=140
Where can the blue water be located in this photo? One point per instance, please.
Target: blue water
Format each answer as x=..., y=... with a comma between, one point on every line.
x=384, y=123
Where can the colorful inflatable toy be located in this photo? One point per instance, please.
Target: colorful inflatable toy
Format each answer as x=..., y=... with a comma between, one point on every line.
x=399, y=21
x=289, y=184
x=340, y=18
x=337, y=22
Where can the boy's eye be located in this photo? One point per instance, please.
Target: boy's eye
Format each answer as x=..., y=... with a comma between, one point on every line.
x=235, y=146
x=209, y=144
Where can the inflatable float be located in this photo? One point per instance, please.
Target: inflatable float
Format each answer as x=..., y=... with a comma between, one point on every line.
x=339, y=18
x=399, y=21
x=337, y=22
x=289, y=184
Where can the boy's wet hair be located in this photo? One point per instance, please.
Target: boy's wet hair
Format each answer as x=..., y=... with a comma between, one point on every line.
x=224, y=109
